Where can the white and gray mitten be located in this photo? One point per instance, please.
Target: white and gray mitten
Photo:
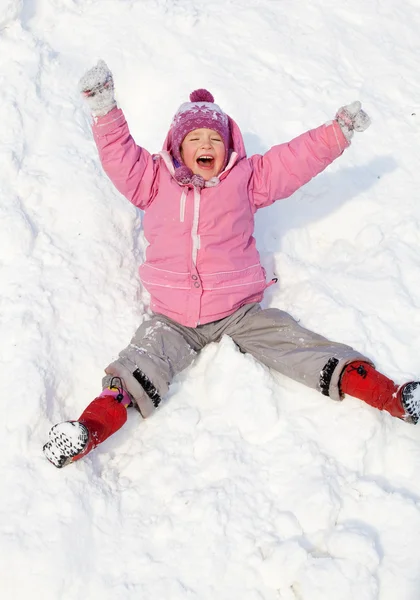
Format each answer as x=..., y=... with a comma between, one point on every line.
x=352, y=118
x=97, y=87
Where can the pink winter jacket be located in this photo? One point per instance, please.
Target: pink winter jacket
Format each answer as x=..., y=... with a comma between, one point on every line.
x=201, y=262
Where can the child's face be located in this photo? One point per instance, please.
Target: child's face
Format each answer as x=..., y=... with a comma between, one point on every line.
x=203, y=151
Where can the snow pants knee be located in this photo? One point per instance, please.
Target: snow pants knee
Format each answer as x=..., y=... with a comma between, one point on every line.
x=161, y=348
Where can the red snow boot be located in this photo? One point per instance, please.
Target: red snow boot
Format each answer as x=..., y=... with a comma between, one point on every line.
x=363, y=381
x=71, y=440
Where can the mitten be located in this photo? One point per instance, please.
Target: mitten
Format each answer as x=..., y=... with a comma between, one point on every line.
x=97, y=87
x=352, y=118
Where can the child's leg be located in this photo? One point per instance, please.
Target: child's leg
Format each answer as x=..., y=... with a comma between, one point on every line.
x=159, y=350
x=278, y=341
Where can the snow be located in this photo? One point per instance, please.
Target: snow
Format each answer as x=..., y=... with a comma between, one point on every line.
x=245, y=484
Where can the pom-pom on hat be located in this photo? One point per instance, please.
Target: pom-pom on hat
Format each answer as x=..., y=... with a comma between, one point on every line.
x=200, y=112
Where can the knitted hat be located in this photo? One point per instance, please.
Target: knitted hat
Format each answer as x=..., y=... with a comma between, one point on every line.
x=200, y=112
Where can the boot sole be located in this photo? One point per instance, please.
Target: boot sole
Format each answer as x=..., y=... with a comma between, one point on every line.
x=410, y=399
x=66, y=442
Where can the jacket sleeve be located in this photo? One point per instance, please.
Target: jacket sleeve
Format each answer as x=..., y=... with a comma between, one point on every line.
x=286, y=167
x=130, y=168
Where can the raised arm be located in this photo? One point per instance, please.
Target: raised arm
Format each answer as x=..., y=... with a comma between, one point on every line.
x=286, y=167
x=131, y=168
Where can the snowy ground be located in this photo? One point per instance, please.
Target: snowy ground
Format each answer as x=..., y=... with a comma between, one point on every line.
x=245, y=485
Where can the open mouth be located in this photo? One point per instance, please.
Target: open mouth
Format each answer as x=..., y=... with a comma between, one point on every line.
x=206, y=161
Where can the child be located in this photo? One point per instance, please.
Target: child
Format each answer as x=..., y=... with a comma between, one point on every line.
x=202, y=268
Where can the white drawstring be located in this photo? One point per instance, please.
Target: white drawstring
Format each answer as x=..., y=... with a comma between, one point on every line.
x=182, y=205
x=194, y=230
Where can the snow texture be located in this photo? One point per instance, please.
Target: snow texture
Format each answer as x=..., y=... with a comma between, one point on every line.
x=245, y=484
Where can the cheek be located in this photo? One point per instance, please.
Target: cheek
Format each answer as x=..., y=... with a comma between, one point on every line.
x=187, y=154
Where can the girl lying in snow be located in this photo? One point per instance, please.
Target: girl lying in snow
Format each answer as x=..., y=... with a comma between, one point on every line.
x=202, y=268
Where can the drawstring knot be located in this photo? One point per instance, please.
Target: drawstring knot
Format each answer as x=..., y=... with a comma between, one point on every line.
x=184, y=176
x=198, y=181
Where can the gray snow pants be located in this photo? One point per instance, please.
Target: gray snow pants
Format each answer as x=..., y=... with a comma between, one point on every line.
x=161, y=348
